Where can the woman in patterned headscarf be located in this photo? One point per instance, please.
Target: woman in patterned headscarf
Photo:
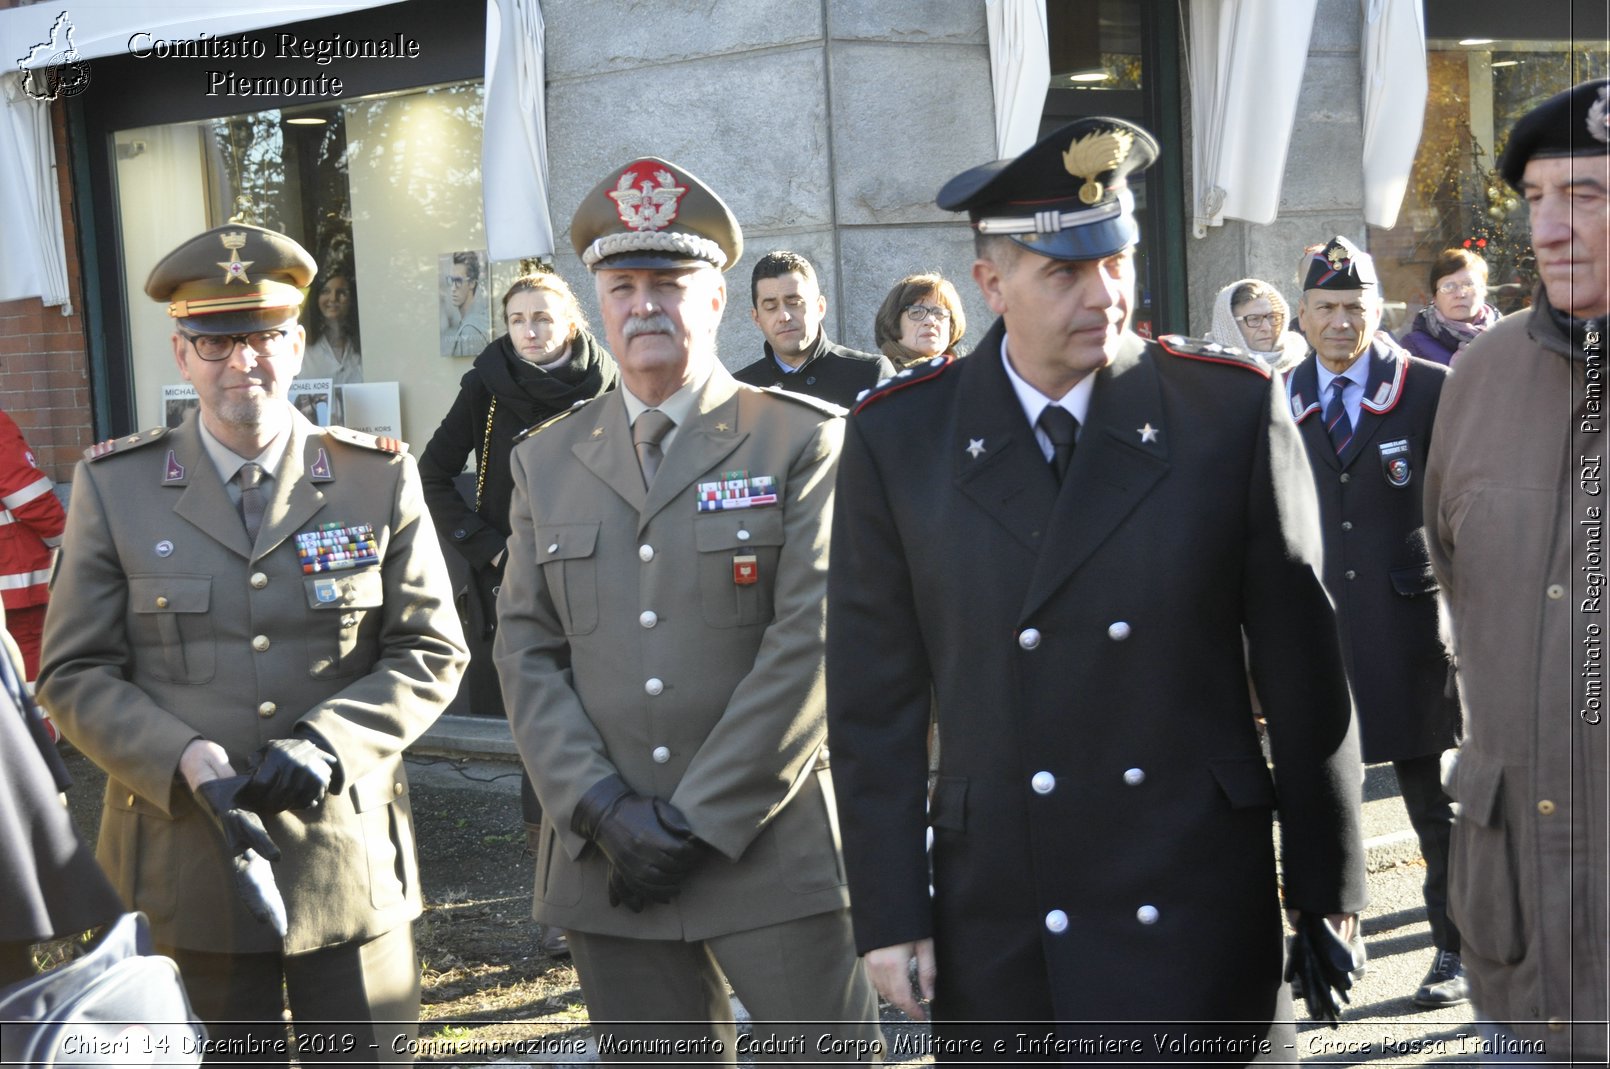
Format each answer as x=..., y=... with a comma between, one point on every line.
x=1252, y=315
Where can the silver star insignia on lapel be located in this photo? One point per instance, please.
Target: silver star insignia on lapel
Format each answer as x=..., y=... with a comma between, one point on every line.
x=598, y=432
x=722, y=427
x=975, y=446
x=1147, y=433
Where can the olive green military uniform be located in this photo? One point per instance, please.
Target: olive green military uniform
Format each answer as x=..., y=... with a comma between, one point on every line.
x=167, y=626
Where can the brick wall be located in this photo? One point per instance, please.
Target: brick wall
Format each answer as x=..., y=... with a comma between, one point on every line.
x=44, y=363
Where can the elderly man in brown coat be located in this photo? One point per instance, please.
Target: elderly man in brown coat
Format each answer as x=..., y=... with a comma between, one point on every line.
x=250, y=621
x=1515, y=520
x=660, y=643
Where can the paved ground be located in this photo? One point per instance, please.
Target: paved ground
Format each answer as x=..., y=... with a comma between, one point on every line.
x=1382, y=1027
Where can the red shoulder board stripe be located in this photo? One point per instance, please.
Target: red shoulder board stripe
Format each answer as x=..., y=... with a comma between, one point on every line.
x=901, y=379
x=387, y=444
x=1210, y=352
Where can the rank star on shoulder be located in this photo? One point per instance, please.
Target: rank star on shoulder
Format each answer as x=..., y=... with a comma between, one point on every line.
x=975, y=447
x=1147, y=433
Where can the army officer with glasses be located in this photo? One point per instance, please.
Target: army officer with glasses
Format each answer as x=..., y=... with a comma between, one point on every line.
x=249, y=621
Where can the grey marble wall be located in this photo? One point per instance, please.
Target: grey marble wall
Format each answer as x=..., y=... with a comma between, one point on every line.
x=826, y=125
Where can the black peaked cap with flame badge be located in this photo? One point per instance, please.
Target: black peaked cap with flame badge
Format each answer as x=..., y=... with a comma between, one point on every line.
x=1067, y=197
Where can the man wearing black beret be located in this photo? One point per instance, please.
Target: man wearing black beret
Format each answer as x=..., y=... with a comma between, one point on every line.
x=1055, y=547
x=1515, y=521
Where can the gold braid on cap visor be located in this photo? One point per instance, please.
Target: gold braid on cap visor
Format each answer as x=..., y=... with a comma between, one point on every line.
x=210, y=298
x=690, y=245
x=1054, y=221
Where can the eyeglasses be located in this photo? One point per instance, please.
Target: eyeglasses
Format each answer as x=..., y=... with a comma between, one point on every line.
x=1451, y=288
x=918, y=312
x=214, y=347
x=1258, y=322
x=459, y=280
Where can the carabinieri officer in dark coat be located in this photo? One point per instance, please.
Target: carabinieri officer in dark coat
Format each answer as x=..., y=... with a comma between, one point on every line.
x=1063, y=538
x=1365, y=409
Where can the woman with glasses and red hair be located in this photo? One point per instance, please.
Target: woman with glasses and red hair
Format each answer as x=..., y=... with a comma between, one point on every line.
x=1458, y=311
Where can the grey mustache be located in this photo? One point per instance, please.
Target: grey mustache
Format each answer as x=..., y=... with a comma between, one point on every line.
x=658, y=323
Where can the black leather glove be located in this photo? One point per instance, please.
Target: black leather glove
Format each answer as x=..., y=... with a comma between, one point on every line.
x=288, y=774
x=648, y=843
x=621, y=891
x=250, y=849
x=1320, y=967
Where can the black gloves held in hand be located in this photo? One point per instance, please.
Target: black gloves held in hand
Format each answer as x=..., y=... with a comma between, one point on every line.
x=249, y=847
x=1320, y=967
x=649, y=844
x=288, y=774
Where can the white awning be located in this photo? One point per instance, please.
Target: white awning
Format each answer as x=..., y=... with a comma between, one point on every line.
x=514, y=162
x=514, y=136
x=1020, y=71
x=35, y=264
x=1393, y=52
x=1246, y=60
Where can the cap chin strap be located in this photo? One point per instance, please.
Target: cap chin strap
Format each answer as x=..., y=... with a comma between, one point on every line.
x=689, y=245
x=205, y=298
x=1052, y=222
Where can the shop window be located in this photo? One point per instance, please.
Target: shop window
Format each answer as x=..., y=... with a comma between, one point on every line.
x=1118, y=58
x=1479, y=88
x=384, y=191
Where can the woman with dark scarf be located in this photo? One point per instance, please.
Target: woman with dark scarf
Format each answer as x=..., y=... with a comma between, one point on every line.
x=547, y=362
x=1458, y=310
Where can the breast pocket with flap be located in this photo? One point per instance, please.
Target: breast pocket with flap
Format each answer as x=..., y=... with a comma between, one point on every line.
x=171, y=636
x=738, y=554
x=567, y=553
x=339, y=604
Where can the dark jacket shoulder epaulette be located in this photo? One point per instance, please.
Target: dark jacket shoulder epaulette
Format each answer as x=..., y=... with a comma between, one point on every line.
x=816, y=403
x=101, y=450
x=380, y=442
x=551, y=420
x=903, y=378
x=1211, y=352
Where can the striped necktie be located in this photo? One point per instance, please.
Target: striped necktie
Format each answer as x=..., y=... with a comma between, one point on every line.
x=1337, y=424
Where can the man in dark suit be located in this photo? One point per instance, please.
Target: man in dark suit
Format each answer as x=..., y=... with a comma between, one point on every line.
x=249, y=622
x=1058, y=543
x=660, y=646
x=1365, y=409
x=788, y=306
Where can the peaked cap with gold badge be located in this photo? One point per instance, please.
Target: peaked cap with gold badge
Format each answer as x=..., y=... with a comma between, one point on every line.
x=1067, y=197
x=1340, y=265
x=651, y=213
x=232, y=279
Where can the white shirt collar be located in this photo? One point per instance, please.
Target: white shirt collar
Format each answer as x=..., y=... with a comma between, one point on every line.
x=1076, y=400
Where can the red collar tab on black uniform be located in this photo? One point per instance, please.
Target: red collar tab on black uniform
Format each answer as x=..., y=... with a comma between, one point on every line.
x=1211, y=352
x=901, y=379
